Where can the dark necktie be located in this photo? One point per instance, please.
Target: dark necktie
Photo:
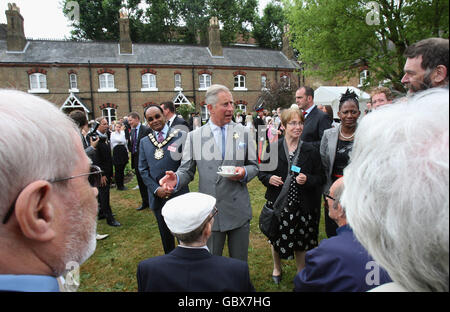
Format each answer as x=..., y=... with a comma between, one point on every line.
x=135, y=141
x=160, y=137
x=168, y=123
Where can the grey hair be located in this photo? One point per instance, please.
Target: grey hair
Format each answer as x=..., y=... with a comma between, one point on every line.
x=396, y=190
x=337, y=194
x=37, y=142
x=212, y=93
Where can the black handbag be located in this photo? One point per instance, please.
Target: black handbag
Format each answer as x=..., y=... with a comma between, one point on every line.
x=269, y=222
x=269, y=219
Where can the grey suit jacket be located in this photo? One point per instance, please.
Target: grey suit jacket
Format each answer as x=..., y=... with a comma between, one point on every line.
x=202, y=152
x=328, y=147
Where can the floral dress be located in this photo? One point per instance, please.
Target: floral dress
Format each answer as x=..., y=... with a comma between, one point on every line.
x=297, y=230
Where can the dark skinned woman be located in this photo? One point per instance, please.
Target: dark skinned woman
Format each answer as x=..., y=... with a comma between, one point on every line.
x=336, y=146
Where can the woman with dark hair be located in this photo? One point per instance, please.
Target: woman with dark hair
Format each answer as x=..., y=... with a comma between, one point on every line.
x=297, y=232
x=336, y=146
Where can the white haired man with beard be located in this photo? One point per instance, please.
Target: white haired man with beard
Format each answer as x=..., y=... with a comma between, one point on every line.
x=396, y=192
x=48, y=204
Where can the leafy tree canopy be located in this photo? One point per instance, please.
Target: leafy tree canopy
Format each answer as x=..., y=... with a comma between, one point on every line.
x=336, y=37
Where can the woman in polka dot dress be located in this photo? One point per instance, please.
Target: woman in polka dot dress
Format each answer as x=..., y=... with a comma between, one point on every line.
x=298, y=231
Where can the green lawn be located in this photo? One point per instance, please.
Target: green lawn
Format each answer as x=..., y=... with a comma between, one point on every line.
x=114, y=263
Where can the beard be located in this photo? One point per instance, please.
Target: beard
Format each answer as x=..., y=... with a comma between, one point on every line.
x=425, y=84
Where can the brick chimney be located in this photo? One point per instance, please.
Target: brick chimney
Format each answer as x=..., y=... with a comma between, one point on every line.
x=287, y=49
x=15, y=36
x=215, y=46
x=126, y=46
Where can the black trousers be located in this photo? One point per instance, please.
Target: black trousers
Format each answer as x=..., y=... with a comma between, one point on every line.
x=103, y=202
x=119, y=174
x=167, y=239
x=142, y=186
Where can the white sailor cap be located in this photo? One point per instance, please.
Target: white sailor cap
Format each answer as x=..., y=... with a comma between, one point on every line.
x=186, y=212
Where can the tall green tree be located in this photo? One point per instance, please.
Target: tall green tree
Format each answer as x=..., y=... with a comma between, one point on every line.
x=336, y=36
x=164, y=20
x=98, y=20
x=268, y=29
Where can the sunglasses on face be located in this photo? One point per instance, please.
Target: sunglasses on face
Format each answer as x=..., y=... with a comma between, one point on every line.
x=94, y=178
x=150, y=119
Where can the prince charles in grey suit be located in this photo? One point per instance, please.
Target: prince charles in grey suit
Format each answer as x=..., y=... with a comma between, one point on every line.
x=221, y=142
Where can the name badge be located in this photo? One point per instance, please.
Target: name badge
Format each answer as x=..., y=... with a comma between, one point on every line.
x=295, y=169
x=172, y=148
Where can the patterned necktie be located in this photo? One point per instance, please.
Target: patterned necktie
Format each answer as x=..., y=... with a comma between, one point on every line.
x=223, y=142
x=160, y=137
x=134, y=141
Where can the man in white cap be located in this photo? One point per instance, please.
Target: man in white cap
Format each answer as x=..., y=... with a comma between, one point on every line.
x=191, y=267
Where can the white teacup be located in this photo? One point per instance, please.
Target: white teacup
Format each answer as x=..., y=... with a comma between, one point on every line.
x=227, y=169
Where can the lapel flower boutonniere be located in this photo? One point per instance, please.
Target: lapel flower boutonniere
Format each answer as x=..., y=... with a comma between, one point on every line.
x=235, y=136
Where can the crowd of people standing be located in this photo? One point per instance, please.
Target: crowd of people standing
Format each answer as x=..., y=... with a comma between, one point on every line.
x=376, y=175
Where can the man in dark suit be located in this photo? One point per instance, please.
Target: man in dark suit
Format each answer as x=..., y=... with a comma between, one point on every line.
x=190, y=267
x=138, y=132
x=316, y=121
x=171, y=118
x=103, y=159
x=340, y=263
x=161, y=150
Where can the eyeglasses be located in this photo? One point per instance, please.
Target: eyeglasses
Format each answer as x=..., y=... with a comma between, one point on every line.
x=327, y=195
x=95, y=178
x=212, y=216
x=294, y=124
x=150, y=119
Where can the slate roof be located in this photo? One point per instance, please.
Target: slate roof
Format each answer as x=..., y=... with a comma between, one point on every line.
x=71, y=52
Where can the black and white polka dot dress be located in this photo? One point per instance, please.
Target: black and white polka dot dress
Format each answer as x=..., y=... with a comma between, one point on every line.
x=296, y=231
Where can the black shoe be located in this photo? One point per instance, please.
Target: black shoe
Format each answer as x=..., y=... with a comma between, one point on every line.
x=113, y=222
x=141, y=208
x=276, y=279
x=123, y=188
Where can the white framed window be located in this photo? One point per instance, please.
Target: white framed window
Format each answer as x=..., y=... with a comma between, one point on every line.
x=73, y=83
x=363, y=76
x=239, y=83
x=110, y=114
x=243, y=108
x=106, y=83
x=177, y=79
x=38, y=83
x=149, y=82
x=205, y=112
x=263, y=82
x=205, y=81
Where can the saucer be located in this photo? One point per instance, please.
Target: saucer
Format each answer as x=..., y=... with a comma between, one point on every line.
x=227, y=175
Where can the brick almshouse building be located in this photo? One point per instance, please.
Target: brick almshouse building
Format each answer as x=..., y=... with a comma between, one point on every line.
x=114, y=78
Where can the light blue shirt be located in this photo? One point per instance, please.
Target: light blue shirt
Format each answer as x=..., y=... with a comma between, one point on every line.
x=28, y=283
